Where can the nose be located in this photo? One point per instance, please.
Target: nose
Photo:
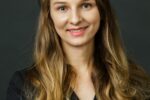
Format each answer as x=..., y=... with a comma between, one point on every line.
x=75, y=17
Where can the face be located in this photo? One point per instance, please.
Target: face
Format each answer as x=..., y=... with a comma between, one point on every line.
x=76, y=21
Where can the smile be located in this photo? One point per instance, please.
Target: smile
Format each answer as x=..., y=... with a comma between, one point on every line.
x=77, y=31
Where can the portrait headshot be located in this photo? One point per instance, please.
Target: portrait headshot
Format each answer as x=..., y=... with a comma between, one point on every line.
x=75, y=50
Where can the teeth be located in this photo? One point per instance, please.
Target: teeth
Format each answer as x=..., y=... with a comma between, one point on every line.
x=75, y=30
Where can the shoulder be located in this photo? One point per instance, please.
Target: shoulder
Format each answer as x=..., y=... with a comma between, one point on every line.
x=16, y=83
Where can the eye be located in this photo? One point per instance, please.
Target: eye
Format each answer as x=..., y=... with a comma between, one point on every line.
x=86, y=5
x=62, y=8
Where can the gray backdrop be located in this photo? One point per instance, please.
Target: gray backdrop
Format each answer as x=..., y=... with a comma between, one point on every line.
x=18, y=22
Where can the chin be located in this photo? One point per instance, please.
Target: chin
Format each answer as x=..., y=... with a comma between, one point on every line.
x=79, y=43
x=76, y=44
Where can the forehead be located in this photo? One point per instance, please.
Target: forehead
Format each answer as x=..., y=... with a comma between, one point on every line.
x=68, y=1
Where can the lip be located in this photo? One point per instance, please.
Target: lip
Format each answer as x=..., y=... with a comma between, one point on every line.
x=77, y=28
x=77, y=31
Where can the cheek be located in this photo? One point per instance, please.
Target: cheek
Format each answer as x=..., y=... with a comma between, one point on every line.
x=93, y=19
x=59, y=20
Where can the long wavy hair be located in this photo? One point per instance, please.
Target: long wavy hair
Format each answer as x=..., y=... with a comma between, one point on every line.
x=114, y=75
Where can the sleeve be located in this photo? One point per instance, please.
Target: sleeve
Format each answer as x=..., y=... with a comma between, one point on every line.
x=14, y=90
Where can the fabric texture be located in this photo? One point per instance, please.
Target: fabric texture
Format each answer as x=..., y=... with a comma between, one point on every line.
x=15, y=88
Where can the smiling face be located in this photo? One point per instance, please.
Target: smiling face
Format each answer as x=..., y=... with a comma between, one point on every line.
x=76, y=21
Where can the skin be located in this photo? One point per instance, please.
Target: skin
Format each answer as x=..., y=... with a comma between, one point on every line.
x=83, y=14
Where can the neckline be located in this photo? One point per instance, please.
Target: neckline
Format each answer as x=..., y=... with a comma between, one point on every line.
x=74, y=96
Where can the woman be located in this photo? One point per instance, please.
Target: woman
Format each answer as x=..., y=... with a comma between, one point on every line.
x=79, y=56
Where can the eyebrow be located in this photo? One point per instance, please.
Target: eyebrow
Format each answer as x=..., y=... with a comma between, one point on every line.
x=61, y=2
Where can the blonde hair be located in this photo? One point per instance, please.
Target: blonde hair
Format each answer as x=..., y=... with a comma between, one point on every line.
x=115, y=76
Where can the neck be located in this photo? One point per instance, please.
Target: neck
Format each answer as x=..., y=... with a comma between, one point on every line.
x=81, y=57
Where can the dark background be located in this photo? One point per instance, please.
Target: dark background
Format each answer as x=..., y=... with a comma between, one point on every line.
x=18, y=22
